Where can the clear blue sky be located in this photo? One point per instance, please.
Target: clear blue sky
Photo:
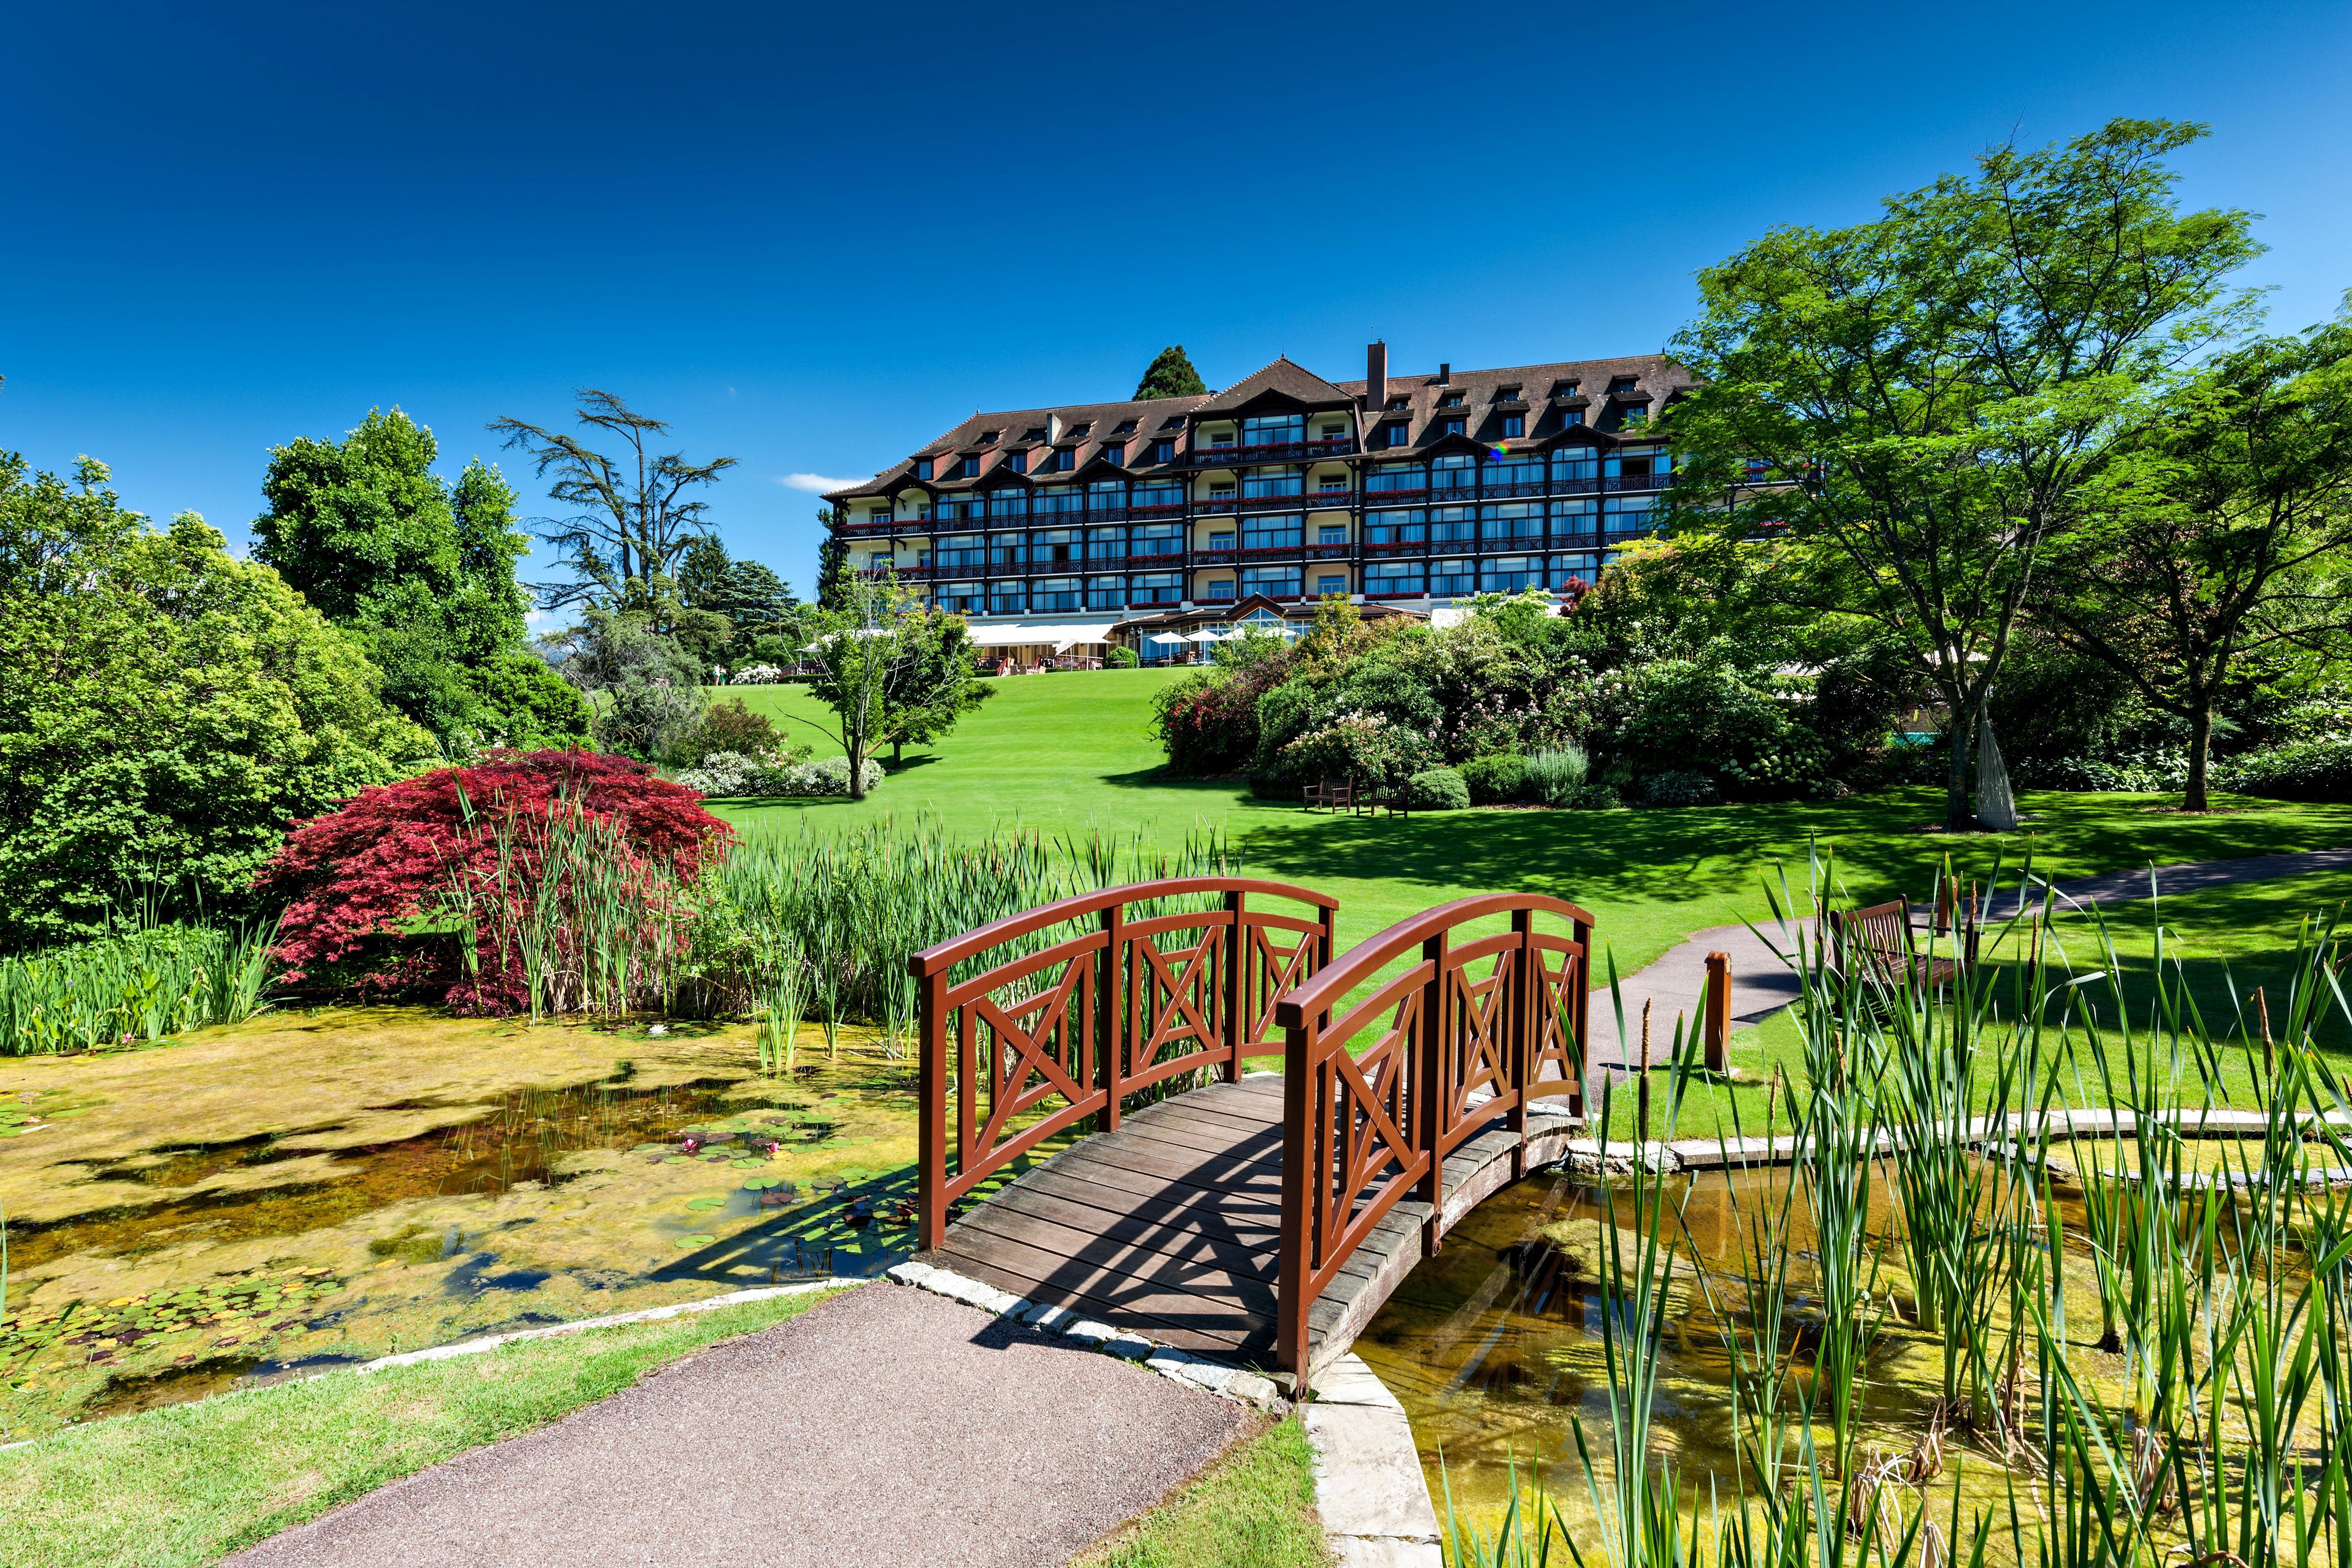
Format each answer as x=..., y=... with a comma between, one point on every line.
x=813, y=237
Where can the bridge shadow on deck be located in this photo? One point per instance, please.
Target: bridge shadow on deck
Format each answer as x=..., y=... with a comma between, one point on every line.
x=1170, y=1228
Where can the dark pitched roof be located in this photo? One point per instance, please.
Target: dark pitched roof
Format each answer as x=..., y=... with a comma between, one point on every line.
x=1283, y=377
x=1163, y=419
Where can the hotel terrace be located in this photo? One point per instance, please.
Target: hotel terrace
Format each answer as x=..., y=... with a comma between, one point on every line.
x=1062, y=528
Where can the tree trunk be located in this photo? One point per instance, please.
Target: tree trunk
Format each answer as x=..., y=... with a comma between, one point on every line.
x=2200, y=742
x=898, y=751
x=856, y=749
x=1960, y=812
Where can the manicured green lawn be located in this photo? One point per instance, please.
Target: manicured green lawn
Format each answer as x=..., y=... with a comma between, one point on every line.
x=1073, y=752
x=191, y=1483
x=2228, y=943
x=1252, y=1509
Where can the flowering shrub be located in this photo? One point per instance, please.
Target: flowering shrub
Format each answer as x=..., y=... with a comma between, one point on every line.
x=723, y=726
x=489, y=844
x=826, y=775
x=757, y=676
x=1374, y=751
x=1738, y=739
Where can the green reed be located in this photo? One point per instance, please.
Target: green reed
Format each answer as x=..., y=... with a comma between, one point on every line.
x=139, y=986
x=2224, y=1280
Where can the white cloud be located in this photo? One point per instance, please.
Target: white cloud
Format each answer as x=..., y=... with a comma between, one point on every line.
x=815, y=484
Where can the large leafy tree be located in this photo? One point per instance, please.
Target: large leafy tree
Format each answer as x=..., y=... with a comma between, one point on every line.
x=934, y=684
x=2222, y=534
x=645, y=688
x=633, y=515
x=1912, y=407
x=1171, y=374
x=165, y=710
x=756, y=603
x=424, y=572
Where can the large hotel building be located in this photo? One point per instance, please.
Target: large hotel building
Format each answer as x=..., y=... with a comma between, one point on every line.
x=1061, y=528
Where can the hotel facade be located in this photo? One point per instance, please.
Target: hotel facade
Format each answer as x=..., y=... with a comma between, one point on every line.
x=1069, y=526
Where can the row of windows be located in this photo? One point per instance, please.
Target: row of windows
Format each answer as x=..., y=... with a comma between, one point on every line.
x=1457, y=470
x=1059, y=460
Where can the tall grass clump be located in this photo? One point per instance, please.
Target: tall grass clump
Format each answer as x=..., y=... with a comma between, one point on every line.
x=139, y=985
x=2152, y=1372
x=819, y=926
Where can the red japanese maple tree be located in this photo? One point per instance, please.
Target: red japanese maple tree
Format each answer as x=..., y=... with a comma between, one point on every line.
x=426, y=848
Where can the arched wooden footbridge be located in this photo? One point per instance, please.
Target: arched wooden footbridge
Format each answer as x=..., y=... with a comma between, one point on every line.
x=1258, y=1217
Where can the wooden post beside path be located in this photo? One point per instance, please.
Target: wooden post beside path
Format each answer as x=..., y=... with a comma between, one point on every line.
x=1717, y=1012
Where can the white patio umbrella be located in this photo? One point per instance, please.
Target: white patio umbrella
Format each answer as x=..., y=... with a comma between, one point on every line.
x=1167, y=637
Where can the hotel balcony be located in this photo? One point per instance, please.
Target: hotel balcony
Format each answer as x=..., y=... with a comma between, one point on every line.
x=1273, y=452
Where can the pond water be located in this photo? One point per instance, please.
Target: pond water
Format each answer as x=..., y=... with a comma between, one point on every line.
x=304, y=1191
x=1495, y=1346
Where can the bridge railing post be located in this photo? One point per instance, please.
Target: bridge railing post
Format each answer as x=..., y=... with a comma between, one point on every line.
x=1521, y=1030
x=1237, y=978
x=1580, y=1015
x=1430, y=1081
x=1112, y=1003
x=932, y=1123
x=1304, y=1115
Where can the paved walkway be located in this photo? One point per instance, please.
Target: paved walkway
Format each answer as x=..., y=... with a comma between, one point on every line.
x=1761, y=984
x=884, y=1426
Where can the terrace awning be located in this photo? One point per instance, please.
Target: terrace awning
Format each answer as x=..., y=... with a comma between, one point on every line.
x=1029, y=635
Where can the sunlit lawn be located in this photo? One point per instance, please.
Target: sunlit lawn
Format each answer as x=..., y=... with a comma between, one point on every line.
x=1067, y=753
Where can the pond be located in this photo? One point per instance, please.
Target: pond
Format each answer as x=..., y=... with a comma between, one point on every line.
x=1495, y=1346
x=308, y=1190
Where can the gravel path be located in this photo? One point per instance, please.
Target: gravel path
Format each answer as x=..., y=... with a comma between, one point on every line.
x=885, y=1426
x=1762, y=985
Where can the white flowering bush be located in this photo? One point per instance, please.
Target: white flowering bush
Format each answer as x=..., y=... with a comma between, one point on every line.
x=827, y=776
x=757, y=676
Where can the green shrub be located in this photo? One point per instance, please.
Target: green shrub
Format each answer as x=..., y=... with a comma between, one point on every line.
x=727, y=726
x=165, y=710
x=1555, y=776
x=1366, y=748
x=1679, y=787
x=1120, y=659
x=2315, y=769
x=1500, y=779
x=1437, y=790
x=1729, y=728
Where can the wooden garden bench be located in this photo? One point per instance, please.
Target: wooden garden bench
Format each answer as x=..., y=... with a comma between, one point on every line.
x=1331, y=795
x=1877, y=944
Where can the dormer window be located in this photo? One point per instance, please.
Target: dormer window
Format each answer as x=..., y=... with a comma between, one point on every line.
x=1173, y=421
x=987, y=437
x=1563, y=389
x=1017, y=462
x=1399, y=404
x=1620, y=385
x=1126, y=428
x=1163, y=451
x=1114, y=452
x=1451, y=400
x=1081, y=429
x=968, y=468
x=1514, y=425
x=1507, y=394
x=1065, y=459
x=1454, y=426
x=922, y=468
x=1034, y=433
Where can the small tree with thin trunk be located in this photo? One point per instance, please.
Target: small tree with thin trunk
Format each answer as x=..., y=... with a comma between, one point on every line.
x=875, y=658
x=1911, y=408
x=2223, y=532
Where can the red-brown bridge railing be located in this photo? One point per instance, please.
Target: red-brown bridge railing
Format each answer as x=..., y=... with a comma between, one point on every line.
x=1472, y=1031
x=1143, y=989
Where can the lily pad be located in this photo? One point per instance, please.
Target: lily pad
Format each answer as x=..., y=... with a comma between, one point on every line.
x=704, y=1202
x=684, y=1242
x=760, y=1182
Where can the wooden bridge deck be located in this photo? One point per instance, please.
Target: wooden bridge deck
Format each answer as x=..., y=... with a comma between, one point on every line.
x=1169, y=1226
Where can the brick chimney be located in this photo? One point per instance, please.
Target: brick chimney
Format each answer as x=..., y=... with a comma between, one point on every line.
x=1376, y=375
x=1444, y=374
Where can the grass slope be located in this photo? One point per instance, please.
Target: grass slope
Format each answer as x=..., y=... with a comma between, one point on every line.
x=1073, y=752
x=1252, y=1509
x=191, y=1483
